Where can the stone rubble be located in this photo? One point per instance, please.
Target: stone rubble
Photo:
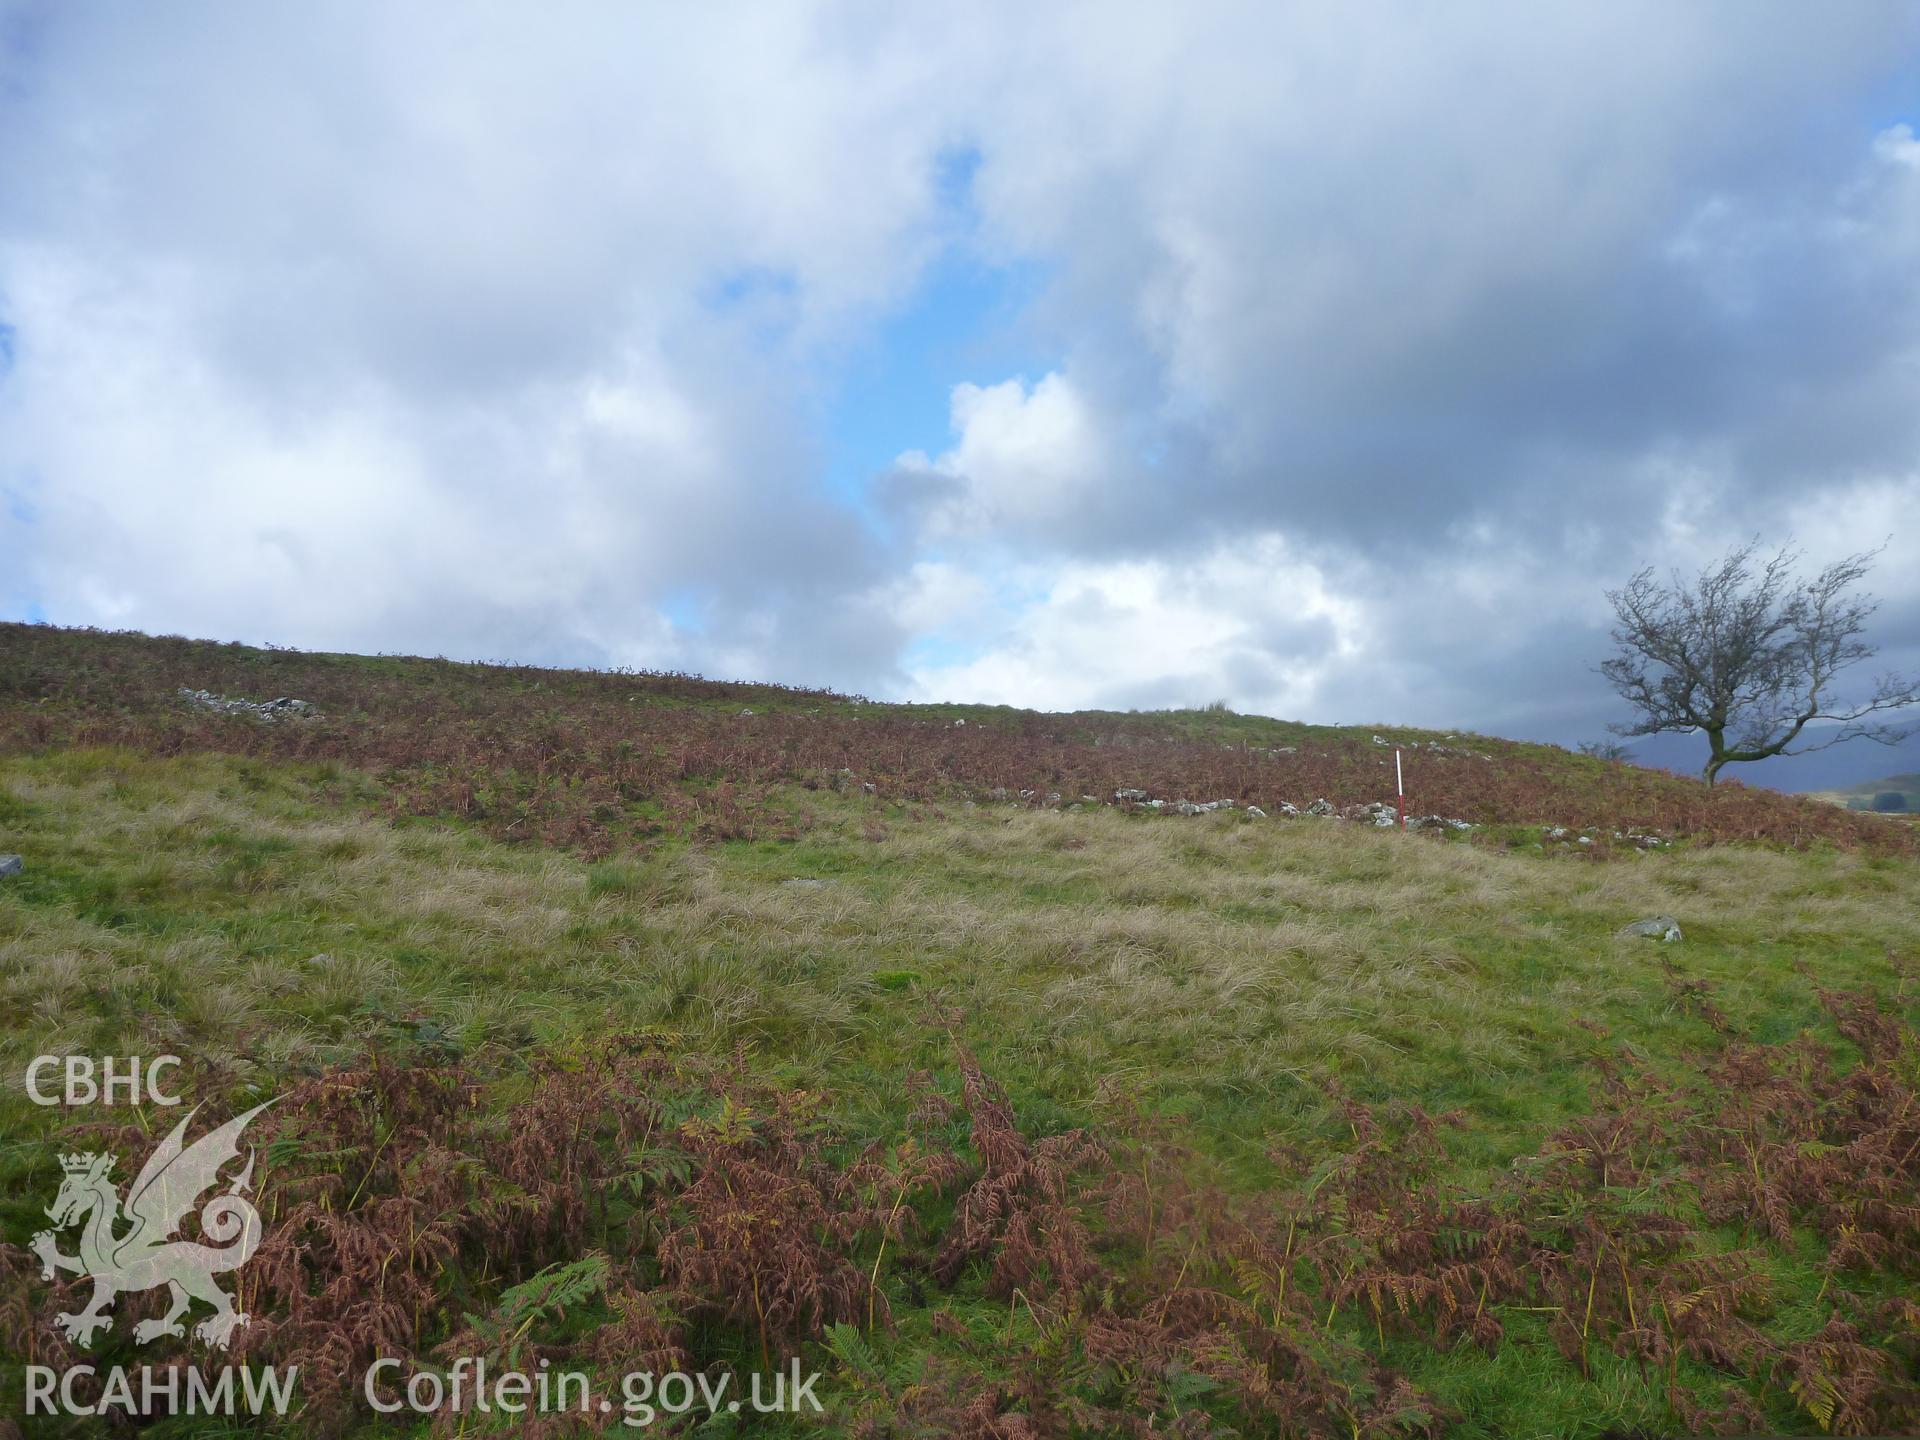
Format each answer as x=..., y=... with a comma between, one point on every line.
x=1378, y=813
x=1636, y=837
x=282, y=708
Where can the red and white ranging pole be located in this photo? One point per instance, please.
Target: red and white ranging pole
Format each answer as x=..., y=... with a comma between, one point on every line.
x=1400, y=786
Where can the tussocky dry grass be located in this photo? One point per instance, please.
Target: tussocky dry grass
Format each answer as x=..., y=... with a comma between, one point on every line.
x=213, y=906
x=1235, y=973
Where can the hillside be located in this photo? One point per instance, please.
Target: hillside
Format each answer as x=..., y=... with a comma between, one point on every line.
x=616, y=1027
x=1871, y=794
x=601, y=761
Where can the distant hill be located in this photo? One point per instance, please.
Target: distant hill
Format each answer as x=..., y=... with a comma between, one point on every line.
x=1872, y=794
x=1845, y=768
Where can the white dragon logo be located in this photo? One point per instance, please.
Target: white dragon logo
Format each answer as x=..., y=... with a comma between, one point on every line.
x=158, y=1200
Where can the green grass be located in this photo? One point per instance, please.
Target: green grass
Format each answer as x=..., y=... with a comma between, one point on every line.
x=253, y=918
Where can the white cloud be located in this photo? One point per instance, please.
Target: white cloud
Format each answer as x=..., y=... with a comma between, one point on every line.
x=1246, y=621
x=1024, y=459
x=158, y=494
x=938, y=597
x=1896, y=145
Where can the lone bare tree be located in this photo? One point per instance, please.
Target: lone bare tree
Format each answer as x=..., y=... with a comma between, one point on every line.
x=1748, y=655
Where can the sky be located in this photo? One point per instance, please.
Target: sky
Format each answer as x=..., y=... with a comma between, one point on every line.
x=1332, y=361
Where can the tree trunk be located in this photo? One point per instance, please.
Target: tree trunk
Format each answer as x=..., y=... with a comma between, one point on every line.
x=1717, y=739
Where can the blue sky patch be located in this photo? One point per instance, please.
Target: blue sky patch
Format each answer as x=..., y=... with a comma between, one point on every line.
x=684, y=607
x=967, y=319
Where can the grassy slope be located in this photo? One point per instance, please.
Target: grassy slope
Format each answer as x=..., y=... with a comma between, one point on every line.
x=260, y=917
x=601, y=762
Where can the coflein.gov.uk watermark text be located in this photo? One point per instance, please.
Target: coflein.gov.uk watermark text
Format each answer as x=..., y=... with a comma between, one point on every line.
x=643, y=1395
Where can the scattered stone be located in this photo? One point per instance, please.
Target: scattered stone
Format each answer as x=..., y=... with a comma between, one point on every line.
x=1437, y=822
x=1052, y=800
x=1193, y=807
x=746, y=714
x=1290, y=810
x=1134, y=796
x=1256, y=812
x=11, y=865
x=1323, y=807
x=1378, y=813
x=280, y=708
x=959, y=724
x=1660, y=927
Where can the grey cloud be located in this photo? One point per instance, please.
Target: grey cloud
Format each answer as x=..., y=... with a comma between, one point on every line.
x=909, y=494
x=1424, y=261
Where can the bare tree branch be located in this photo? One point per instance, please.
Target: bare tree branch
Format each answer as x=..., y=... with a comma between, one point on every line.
x=1747, y=651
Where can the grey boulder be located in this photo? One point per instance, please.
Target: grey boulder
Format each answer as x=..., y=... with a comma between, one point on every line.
x=1659, y=927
